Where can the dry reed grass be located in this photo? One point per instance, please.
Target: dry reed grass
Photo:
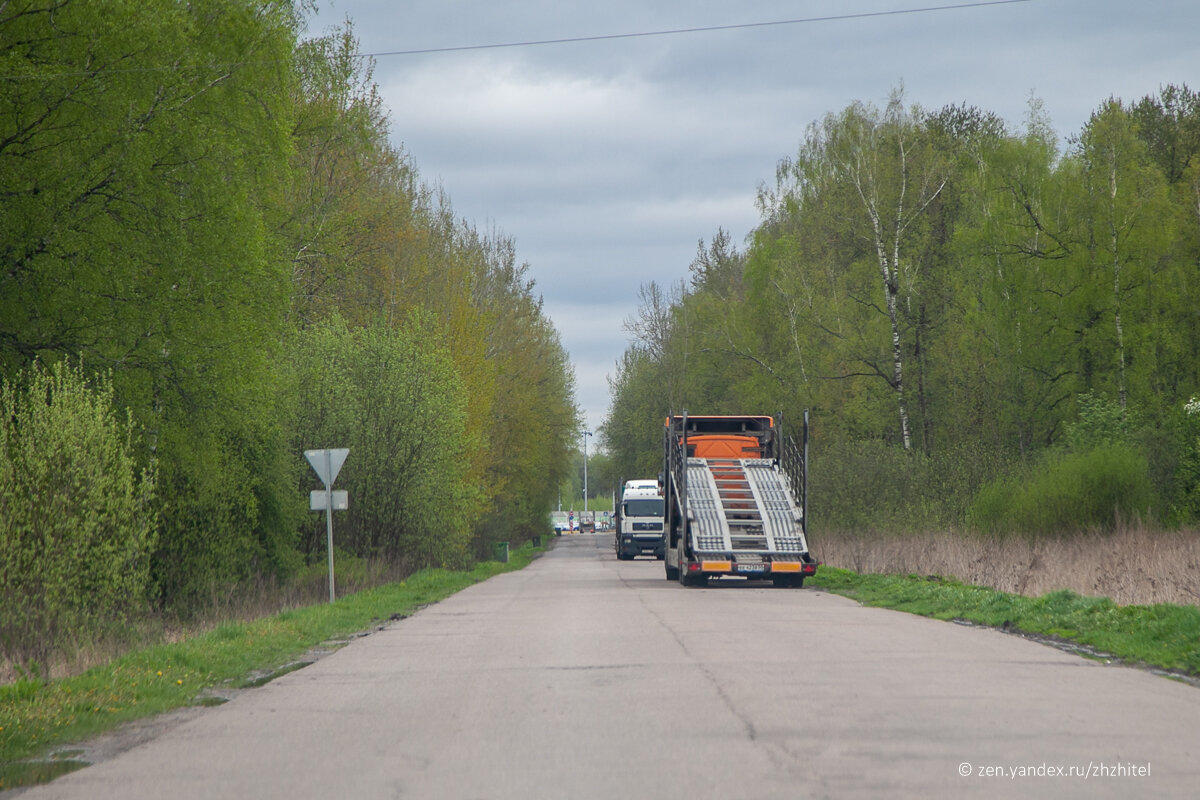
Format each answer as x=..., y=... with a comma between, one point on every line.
x=1133, y=565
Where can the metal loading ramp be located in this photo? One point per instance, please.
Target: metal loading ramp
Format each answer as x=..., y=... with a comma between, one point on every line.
x=742, y=505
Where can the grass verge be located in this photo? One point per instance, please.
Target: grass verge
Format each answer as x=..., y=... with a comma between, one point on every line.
x=1163, y=635
x=37, y=716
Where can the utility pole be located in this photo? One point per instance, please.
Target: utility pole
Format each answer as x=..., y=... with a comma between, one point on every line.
x=586, y=434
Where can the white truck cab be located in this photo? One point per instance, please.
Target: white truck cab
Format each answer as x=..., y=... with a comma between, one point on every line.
x=639, y=524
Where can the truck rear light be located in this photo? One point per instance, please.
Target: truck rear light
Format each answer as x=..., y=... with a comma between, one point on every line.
x=716, y=566
x=810, y=569
x=694, y=566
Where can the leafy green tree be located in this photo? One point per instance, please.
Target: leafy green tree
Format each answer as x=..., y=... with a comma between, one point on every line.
x=391, y=396
x=532, y=428
x=348, y=220
x=633, y=428
x=194, y=201
x=1013, y=362
x=602, y=479
x=1169, y=125
x=137, y=241
x=879, y=176
x=731, y=355
x=371, y=245
x=1124, y=205
x=973, y=284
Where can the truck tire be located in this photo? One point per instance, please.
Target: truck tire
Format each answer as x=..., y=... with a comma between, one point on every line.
x=685, y=577
x=672, y=572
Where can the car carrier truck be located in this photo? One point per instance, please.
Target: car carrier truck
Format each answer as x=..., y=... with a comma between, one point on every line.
x=639, y=520
x=735, y=494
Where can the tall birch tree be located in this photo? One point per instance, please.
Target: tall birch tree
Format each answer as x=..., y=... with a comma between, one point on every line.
x=883, y=167
x=1125, y=203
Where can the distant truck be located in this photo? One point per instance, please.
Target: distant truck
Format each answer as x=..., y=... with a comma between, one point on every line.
x=639, y=520
x=735, y=493
x=587, y=521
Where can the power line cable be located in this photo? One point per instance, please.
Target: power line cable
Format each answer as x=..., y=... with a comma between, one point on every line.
x=677, y=31
x=567, y=40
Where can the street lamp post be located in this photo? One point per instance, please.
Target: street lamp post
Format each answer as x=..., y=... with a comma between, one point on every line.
x=586, y=434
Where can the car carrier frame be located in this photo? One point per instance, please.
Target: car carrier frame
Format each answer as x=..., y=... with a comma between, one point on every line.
x=735, y=491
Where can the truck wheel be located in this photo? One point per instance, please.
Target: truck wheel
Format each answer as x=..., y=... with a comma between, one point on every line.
x=686, y=578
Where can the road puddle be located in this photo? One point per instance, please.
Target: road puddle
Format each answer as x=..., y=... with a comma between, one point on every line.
x=31, y=773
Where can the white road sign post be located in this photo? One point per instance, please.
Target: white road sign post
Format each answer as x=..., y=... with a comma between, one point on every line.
x=328, y=463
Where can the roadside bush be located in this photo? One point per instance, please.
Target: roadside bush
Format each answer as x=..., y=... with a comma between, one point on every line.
x=1100, y=421
x=77, y=520
x=1184, y=480
x=873, y=485
x=1067, y=492
x=230, y=510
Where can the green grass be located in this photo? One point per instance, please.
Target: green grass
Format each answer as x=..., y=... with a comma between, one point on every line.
x=1163, y=635
x=37, y=716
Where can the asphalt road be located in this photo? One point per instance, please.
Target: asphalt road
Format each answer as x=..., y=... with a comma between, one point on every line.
x=585, y=677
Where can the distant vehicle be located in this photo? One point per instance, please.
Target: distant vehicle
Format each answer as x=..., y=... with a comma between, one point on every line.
x=639, y=521
x=735, y=490
x=587, y=521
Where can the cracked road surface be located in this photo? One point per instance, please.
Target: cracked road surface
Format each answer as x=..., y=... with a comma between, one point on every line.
x=586, y=677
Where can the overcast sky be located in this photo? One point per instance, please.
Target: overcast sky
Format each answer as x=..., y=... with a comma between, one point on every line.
x=606, y=161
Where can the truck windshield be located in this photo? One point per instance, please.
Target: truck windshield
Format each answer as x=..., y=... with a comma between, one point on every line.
x=644, y=508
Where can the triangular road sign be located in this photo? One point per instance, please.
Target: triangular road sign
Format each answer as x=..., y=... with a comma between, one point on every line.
x=327, y=461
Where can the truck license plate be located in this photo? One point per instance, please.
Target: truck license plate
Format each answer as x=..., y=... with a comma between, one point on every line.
x=751, y=567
